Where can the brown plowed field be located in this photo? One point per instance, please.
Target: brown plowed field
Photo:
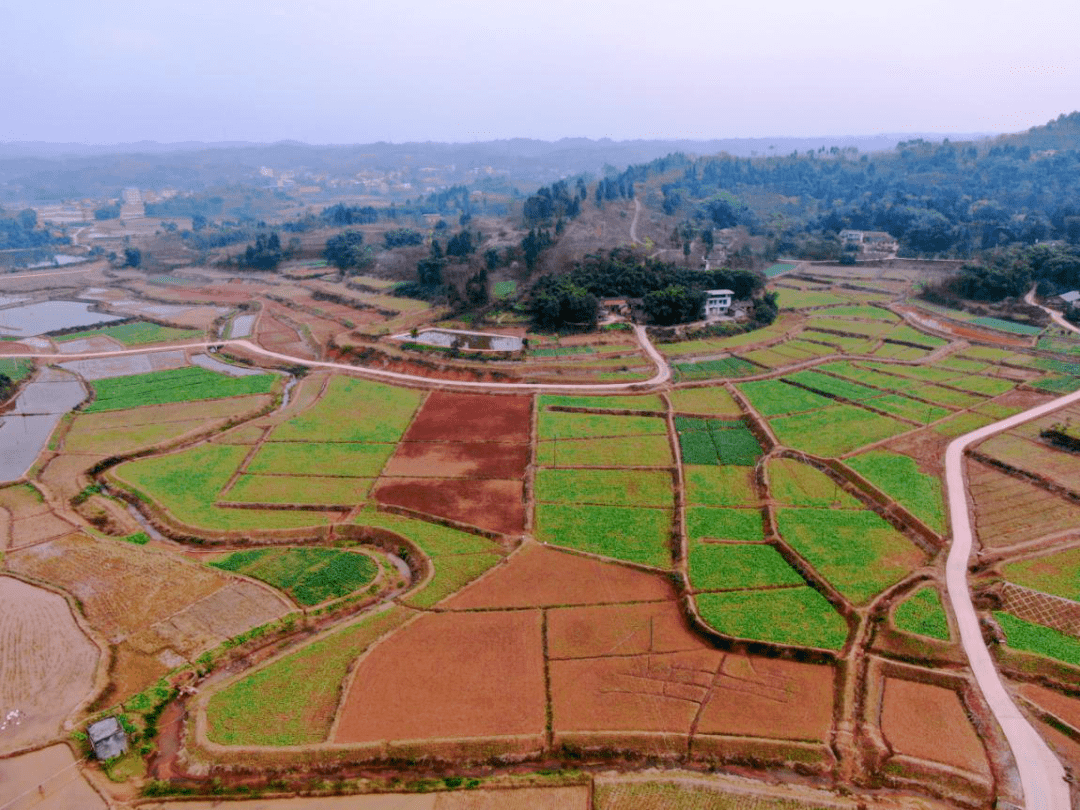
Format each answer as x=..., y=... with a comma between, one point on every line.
x=458, y=460
x=548, y=798
x=762, y=697
x=659, y=692
x=488, y=504
x=589, y=632
x=450, y=675
x=1010, y=510
x=47, y=664
x=472, y=417
x=1065, y=708
x=928, y=722
x=538, y=576
x=46, y=780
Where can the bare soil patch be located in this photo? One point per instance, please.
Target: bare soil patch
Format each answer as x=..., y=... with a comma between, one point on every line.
x=47, y=664
x=763, y=697
x=1065, y=708
x=450, y=675
x=928, y=722
x=552, y=798
x=458, y=460
x=538, y=576
x=660, y=692
x=487, y=504
x=588, y=632
x=472, y=417
x=1010, y=510
x=46, y=780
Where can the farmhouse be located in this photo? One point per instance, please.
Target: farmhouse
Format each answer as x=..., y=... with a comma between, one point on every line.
x=1070, y=297
x=717, y=302
x=108, y=738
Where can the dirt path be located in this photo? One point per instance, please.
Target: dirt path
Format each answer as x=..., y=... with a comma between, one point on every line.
x=1056, y=316
x=633, y=222
x=662, y=375
x=1041, y=775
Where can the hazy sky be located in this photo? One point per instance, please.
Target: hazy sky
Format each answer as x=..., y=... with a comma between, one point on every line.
x=348, y=71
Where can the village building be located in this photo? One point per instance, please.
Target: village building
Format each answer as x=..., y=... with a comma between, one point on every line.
x=107, y=738
x=1070, y=297
x=717, y=302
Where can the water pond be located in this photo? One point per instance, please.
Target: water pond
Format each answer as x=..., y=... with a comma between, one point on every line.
x=48, y=316
x=466, y=341
x=37, y=410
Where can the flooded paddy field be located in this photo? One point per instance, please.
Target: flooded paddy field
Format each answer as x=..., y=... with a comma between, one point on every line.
x=37, y=410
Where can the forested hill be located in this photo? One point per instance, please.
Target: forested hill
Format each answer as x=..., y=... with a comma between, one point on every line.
x=949, y=198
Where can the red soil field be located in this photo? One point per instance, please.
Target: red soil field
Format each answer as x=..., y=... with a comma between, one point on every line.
x=459, y=460
x=450, y=675
x=495, y=505
x=587, y=632
x=633, y=693
x=538, y=576
x=763, y=697
x=928, y=722
x=472, y=417
x=1062, y=707
x=1065, y=747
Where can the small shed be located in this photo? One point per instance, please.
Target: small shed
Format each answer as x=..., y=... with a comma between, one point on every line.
x=108, y=738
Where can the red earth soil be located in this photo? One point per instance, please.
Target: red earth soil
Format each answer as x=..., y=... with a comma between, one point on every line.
x=459, y=460
x=495, y=505
x=538, y=576
x=472, y=417
x=633, y=693
x=929, y=722
x=1065, y=747
x=763, y=697
x=1062, y=707
x=588, y=632
x=450, y=675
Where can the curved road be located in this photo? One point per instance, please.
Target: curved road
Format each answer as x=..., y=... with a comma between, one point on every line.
x=662, y=375
x=1055, y=316
x=1041, y=775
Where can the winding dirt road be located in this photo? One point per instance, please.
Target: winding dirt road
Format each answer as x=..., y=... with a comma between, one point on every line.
x=1041, y=775
x=1055, y=316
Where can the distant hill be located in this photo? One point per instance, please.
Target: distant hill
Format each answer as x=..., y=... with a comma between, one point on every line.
x=1061, y=133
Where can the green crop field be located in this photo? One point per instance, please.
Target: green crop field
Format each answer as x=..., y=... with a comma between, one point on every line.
x=605, y=487
x=16, y=368
x=820, y=320
x=618, y=451
x=309, y=575
x=797, y=299
x=861, y=312
x=962, y=423
x=774, y=270
x=1057, y=574
x=1056, y=384
x=798, y=616
x=321, y=458
x=714, y=441
x=715, y=369
x=834, y=431
x=898, y=377
x=772, y=357
x=775, y=397
x=189, y=384
x=137, y=333
x=186, y=484
x=649, y=402
x=724, y=524
x=504, y=289
x=826, y=384
x=922, y=614
x=714, y=401
x=558, y=425
x=856, y=551
x=899, y=477
x=712, y=485
x=433, y=539
x=793, y=483
x=895, y=351
x=295, y=489
x=300, y=691
x=452, y=573
x=1007, y=326
x=978, y=384
x=907, y=408
x=624, y=533
x=909, y=335
x=353, y=410
x=727, y=566
x=1034, y=638
x=944, y=396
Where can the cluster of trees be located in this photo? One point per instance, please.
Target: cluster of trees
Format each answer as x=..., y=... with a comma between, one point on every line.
x=109, y=211
x=265, y=254
x=554, y=202
x=187, y=205
x=402, y=237
x=347, y=251
x=669, y=293
x=342, y=215
x=21, y=230
x=1010, y=273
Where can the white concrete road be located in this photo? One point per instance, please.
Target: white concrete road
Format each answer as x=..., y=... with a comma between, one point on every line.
x=1041, y=774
